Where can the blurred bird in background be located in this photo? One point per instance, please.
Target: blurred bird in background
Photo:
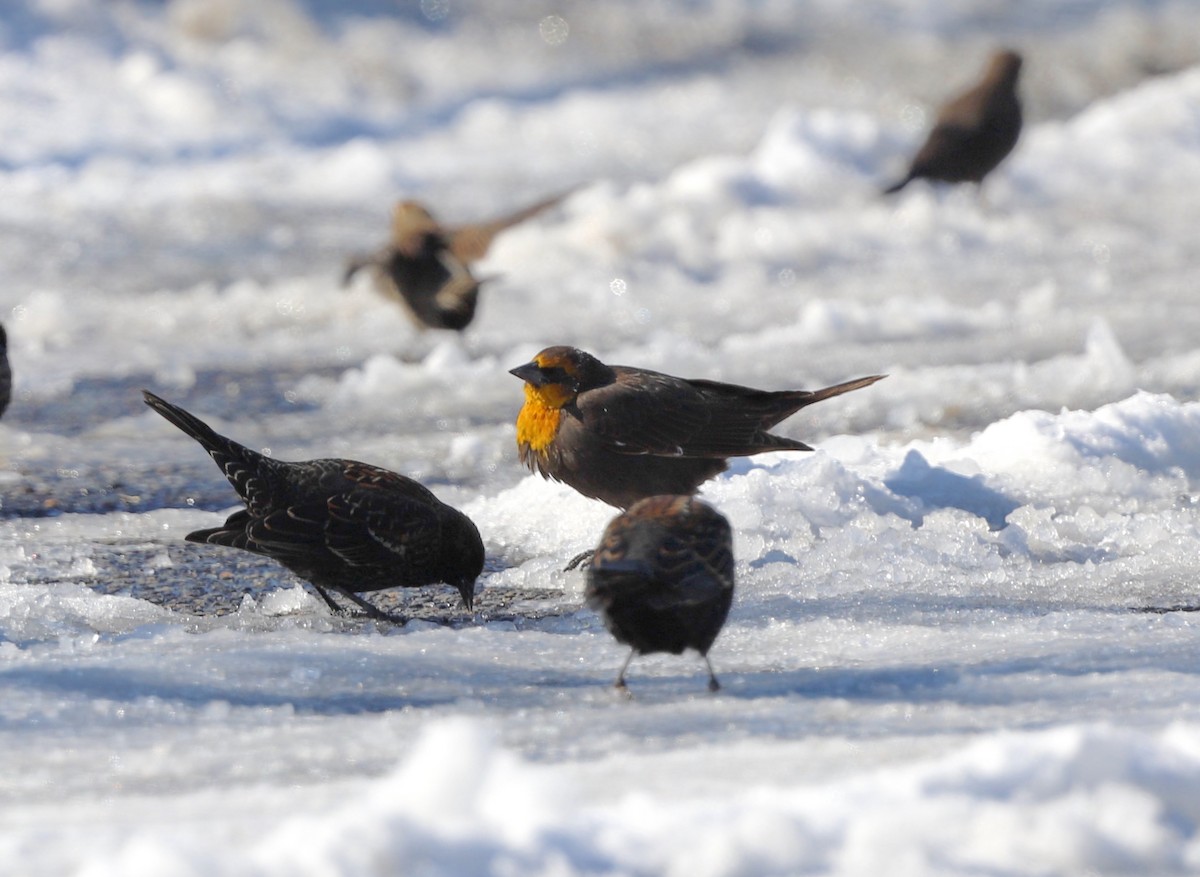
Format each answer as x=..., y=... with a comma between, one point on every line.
x=426, y=265
x=975, y=131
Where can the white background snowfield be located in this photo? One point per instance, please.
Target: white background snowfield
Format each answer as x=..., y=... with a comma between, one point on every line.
x=935, y=662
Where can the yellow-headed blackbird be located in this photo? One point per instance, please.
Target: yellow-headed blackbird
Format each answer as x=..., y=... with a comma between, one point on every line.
x=974, y=131
x=5, y=373
x=662, y=578
x=341, y=525
x=425, y=266
x=620, y=434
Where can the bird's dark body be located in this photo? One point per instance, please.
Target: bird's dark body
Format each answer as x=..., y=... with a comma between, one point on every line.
x=595, y=470
x=438, y=297
x=339, y=524
x=5, y=373
x=637, y=611
x=662, y=578
x=629, y=433
x=421, y=279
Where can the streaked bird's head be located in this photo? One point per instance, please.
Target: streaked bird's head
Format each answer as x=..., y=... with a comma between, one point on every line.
x=1005, y=65
x=463, y=554
x=411, y=219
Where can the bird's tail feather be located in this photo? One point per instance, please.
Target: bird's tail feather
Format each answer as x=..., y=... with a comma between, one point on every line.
x=354, y=265
x=838, y=389
x=237, y=461
x=186, y=421
x=785, y=403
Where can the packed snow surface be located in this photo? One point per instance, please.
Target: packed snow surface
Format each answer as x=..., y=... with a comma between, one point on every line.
x=961, y=640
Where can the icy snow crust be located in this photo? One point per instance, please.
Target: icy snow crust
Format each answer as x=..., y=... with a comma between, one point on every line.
x=938, y=659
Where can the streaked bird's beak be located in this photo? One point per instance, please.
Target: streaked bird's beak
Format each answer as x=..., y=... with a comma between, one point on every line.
x=530, y=373
x=467, y=590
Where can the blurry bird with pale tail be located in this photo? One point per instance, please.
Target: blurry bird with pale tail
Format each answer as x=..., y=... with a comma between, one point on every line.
x=426, y=265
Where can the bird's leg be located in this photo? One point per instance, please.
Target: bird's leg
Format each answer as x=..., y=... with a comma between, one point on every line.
x=713, y=684
x=620, y=683
x=579, y=559
x=337, y=610
x=371, y=610
x=981, y=198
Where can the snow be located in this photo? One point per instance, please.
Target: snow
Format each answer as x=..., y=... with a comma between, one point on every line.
x=960, y=641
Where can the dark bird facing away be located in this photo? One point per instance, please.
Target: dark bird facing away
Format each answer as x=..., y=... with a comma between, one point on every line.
x=342, y=526
x=662, y=578
x=974, y=131
x=620, y=434
x=5, y=373
x=426, y=266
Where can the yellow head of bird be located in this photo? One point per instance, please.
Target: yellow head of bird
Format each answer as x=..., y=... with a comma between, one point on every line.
x=552, y=378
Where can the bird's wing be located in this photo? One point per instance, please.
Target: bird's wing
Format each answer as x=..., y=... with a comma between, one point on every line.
x=944, y=144
x=374, y=529
x=364, y=476
x=381, y=517
x=649, y=413
x=358, y=262
x=965, y=112
x=364, y=515
x=695, y=589
x=471, y=242
x=646, y=413
x=457, y=297
x=296, y=532
x=696, y=562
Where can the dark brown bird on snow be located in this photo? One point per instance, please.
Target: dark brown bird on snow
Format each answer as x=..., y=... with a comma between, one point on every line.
x=425, y=266
x=662, y=578
x=5, y=373
x=974, y=131
x=621, y=434
x=340, y=525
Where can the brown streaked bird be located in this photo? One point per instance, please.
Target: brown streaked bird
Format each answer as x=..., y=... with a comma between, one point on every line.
x=5, y=373
x=426, y=266
x=620, y=434
x=662, y=578
x=975, y=131
x=341, y=525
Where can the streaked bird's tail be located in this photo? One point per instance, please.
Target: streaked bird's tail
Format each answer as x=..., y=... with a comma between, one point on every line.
x=238, y=462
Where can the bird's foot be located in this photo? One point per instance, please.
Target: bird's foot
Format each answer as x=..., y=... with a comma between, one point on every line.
x=371, y=610
x=579, y=559
x=352, y=614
